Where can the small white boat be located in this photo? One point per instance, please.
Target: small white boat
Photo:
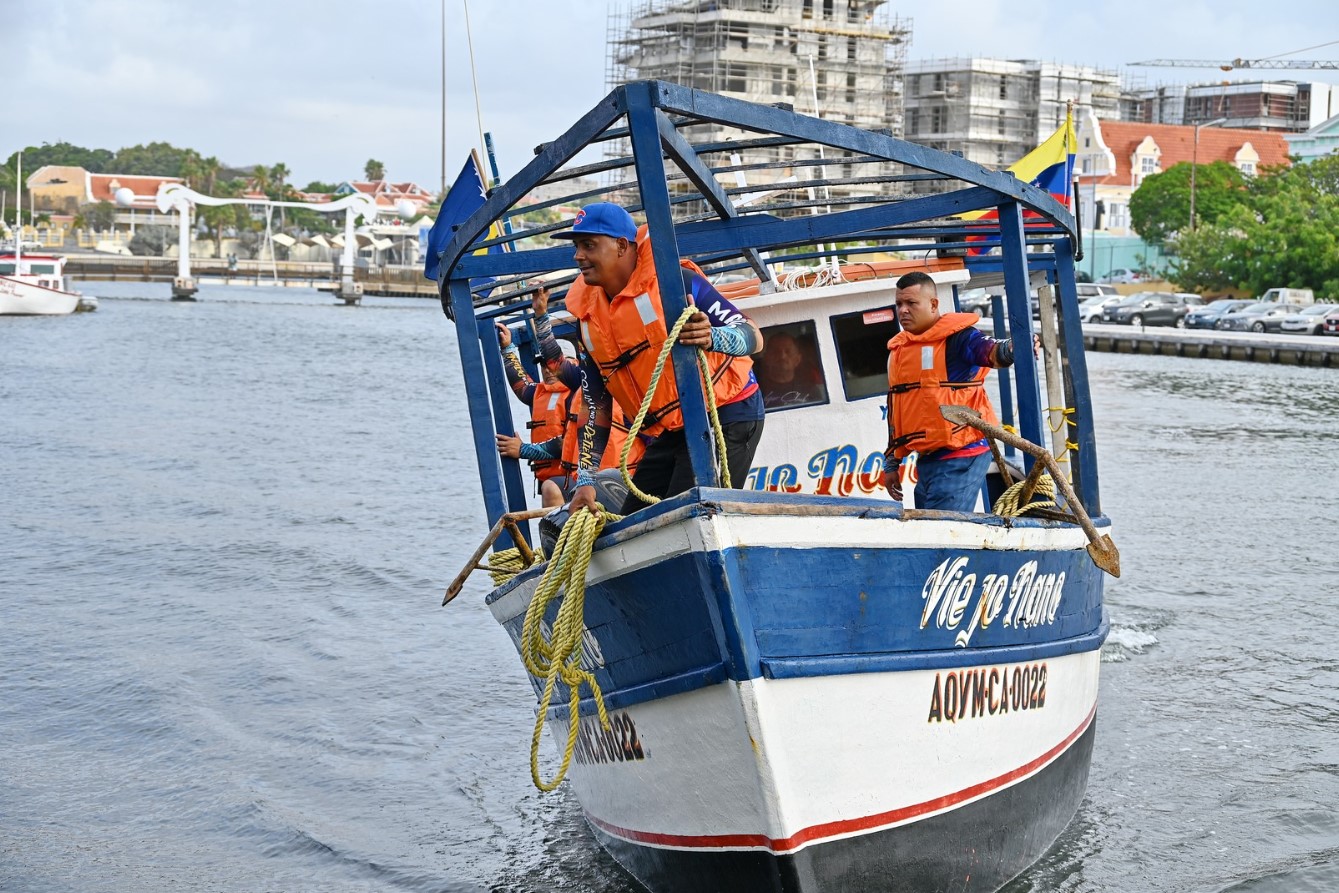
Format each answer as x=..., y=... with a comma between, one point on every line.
x=35, y=285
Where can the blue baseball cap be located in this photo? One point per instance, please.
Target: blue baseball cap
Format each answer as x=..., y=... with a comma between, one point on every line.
x=602, y=219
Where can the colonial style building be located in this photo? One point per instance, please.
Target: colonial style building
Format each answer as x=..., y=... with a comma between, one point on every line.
x=60, y=191
x=1114, y=157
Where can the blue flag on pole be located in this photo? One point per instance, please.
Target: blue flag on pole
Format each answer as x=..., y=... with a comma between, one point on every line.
x=465, y=196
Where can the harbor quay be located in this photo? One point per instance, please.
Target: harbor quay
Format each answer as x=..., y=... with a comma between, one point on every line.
x=384, y=280
x=1302, y=350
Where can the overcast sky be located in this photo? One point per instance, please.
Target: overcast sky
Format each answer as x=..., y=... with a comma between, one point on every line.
x=324, y=86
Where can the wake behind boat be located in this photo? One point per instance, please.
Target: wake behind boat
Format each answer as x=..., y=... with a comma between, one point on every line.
x=810, y=687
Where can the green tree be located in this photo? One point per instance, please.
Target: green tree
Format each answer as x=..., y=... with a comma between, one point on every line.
x=1284, y=234
x=318, y=186
x=279, y=174
x=209, y=173
x=95, y=160
x=99, y=215
x=154, y=159
x=1160, y=207
x=374, y=170
x=219, y=218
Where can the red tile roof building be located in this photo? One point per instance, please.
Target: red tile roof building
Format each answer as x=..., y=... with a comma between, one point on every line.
x=1114, y=157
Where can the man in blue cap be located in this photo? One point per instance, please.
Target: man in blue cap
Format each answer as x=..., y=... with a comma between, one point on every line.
x=616, y=302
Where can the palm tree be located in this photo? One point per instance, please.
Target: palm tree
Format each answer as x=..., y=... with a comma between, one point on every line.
x=279, y=173
x=260, y=176
x=209, y=170
x=191, y=170
x=374, y=170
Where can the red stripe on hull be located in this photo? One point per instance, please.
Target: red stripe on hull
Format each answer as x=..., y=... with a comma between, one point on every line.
x=843, y=827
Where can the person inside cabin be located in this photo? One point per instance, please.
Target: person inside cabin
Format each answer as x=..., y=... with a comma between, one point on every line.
x=786, y=374
x=555, y=417
x=938, y=359
x=617, y=304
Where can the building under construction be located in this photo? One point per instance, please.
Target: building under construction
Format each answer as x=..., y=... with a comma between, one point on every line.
x=840, y=60
x=995, y=111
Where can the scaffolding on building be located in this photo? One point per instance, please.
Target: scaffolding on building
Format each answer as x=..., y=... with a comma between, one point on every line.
x=839, y=60
x=995, y=111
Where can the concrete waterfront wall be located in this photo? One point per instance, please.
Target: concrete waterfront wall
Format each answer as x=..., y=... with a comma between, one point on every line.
x=1300, y=350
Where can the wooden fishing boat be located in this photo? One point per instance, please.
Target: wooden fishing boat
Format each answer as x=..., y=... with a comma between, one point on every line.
x=811, y=687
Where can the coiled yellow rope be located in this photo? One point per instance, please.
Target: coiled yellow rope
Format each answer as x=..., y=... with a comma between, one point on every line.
x=1007, y=505
x=507, y=563
x=559, y=656
x=636, y=425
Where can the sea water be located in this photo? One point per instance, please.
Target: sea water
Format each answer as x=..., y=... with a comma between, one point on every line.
x=225, y=528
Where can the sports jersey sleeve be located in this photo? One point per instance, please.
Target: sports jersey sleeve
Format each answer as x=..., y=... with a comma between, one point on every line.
x=522, y=385
x=730, y=332
x=594, y=435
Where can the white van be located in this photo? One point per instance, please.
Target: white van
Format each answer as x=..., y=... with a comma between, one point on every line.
x=1288, y=296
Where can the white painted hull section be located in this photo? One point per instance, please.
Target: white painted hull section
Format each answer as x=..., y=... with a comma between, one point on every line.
x=780, y=765
x=18, y=298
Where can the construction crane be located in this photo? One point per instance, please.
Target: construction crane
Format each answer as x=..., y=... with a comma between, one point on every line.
x=1314, y=64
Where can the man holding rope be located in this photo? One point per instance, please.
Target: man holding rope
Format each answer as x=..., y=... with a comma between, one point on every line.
x=616, y=302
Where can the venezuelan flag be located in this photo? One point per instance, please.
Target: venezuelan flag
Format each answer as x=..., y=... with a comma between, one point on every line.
x=1050, y=166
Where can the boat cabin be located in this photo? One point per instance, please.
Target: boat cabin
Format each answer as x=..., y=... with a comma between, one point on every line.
x=824, y=252
x=42, y=270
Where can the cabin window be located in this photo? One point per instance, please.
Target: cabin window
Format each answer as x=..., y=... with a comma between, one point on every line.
x=862, y=350
x=8, y=269
x=42, y=269
x=789, y=370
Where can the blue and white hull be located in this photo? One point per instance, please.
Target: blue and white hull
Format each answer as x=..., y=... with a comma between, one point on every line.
x=868, y=703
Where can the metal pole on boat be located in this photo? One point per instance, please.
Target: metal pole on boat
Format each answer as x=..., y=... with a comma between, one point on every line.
x=1083, y=462
x=1050, y=355
x=18, y=215
x=648, y=160
x=1013, y=247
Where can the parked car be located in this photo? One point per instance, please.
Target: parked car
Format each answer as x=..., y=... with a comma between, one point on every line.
x=1207, y=317
x=1288, y=296
x=1121, y=274
x=1331, y=325
x=1158, y=308
x=1086, y=290
x=1109, y=311
x=1309, y=322
x=974, y=300
x=1091, y=309
x=1261, y=316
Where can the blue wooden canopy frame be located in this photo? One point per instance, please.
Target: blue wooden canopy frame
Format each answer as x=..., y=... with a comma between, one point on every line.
x=651, y=114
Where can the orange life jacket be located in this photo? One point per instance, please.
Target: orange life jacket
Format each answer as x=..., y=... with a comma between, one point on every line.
x=550, y=416
x=918, y=385
x=618, y=435
x=624, y=337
